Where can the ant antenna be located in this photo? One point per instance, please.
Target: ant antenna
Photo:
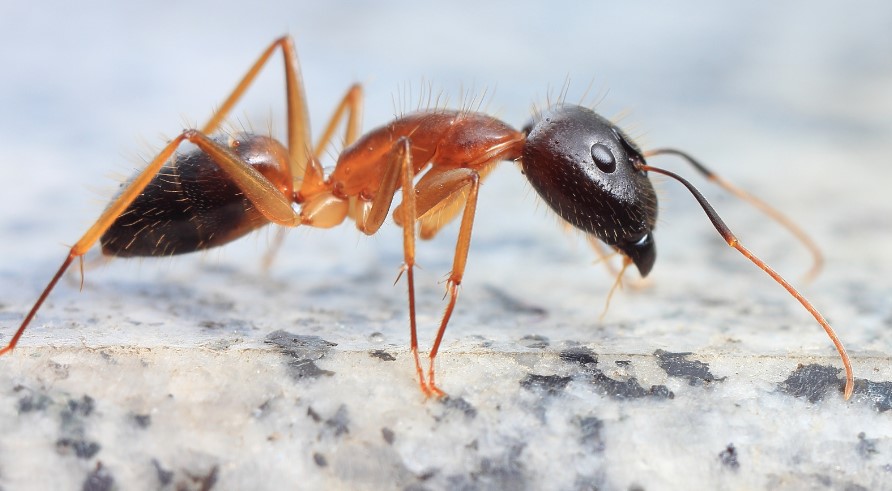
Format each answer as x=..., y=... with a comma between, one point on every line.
x=770, y=211
x=732, y=241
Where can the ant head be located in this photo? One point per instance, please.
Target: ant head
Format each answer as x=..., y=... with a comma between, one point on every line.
x=588, y=171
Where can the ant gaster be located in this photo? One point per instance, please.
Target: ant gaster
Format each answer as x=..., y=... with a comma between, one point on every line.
x=582, y=165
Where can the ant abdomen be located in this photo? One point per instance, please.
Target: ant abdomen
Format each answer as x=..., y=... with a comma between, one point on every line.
x=192, y=204
x=588, y=172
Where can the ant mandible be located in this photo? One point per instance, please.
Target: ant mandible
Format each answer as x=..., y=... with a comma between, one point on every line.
x=582, y=165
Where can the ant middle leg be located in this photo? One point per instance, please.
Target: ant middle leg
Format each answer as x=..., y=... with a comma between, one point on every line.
x=444, y=191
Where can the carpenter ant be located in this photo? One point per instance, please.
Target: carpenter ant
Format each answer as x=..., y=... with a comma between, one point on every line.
x=582, y=165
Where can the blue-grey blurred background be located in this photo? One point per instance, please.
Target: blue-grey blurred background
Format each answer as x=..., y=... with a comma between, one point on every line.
x=793, y=98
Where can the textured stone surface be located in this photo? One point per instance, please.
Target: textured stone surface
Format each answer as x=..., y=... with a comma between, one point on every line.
x=205, y=373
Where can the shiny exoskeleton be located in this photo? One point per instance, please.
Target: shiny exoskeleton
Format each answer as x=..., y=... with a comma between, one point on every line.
x=586, y=169
x=590, y=173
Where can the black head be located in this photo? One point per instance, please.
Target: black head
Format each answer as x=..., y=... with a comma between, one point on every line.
x=585, y=168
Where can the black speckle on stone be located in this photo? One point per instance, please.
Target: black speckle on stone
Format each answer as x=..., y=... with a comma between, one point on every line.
x=82, y=449
x=313, y=414
x=428, y=474
x=99, y=480
x=505, y=472
x=306, y=369
x=636, y=487
x=534, y=341
x=661, y=392
x=460, y=404
x=263, y=409
x=142, y=420
x=339, y=423
x=33, y=402
x=812, y=382
x=728, y=457
x=880, y=393
x=867, y=447
x=388, y=435
x=627, y=389
x=382, y=355
x=84, y=406
x=677, y=365
x=549, y=384
x=320, y=459
x=76, y=410
x=206, y=482
x=581, y=356
x=590, y=433
x=164, y=476
x=623, y=363
x=302, y=352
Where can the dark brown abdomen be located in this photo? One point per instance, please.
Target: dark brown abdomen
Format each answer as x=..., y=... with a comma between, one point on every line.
x=189, y=206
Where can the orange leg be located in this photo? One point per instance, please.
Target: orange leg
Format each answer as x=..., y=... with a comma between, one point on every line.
x=399, y=172
x=262, y=193
x=350, y=104
x=298, y=119
x=603, y=256
x=440, y=189
x=255, y=186
x=617, y=285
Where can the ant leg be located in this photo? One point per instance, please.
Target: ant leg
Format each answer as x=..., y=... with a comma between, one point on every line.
x=770, y=211
x=436, y=210
x=441, y=190
x=298, y=119
x=399, y=172
x=603, y=256
x=262, y=193
x=352, y=105
x=617, y=285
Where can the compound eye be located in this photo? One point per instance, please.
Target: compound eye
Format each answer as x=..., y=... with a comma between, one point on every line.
x=604, y=158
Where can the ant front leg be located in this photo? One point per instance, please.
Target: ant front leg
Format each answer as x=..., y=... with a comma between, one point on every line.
x=399, y=172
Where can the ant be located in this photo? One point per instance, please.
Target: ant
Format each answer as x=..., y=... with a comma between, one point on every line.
x=587, y=170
